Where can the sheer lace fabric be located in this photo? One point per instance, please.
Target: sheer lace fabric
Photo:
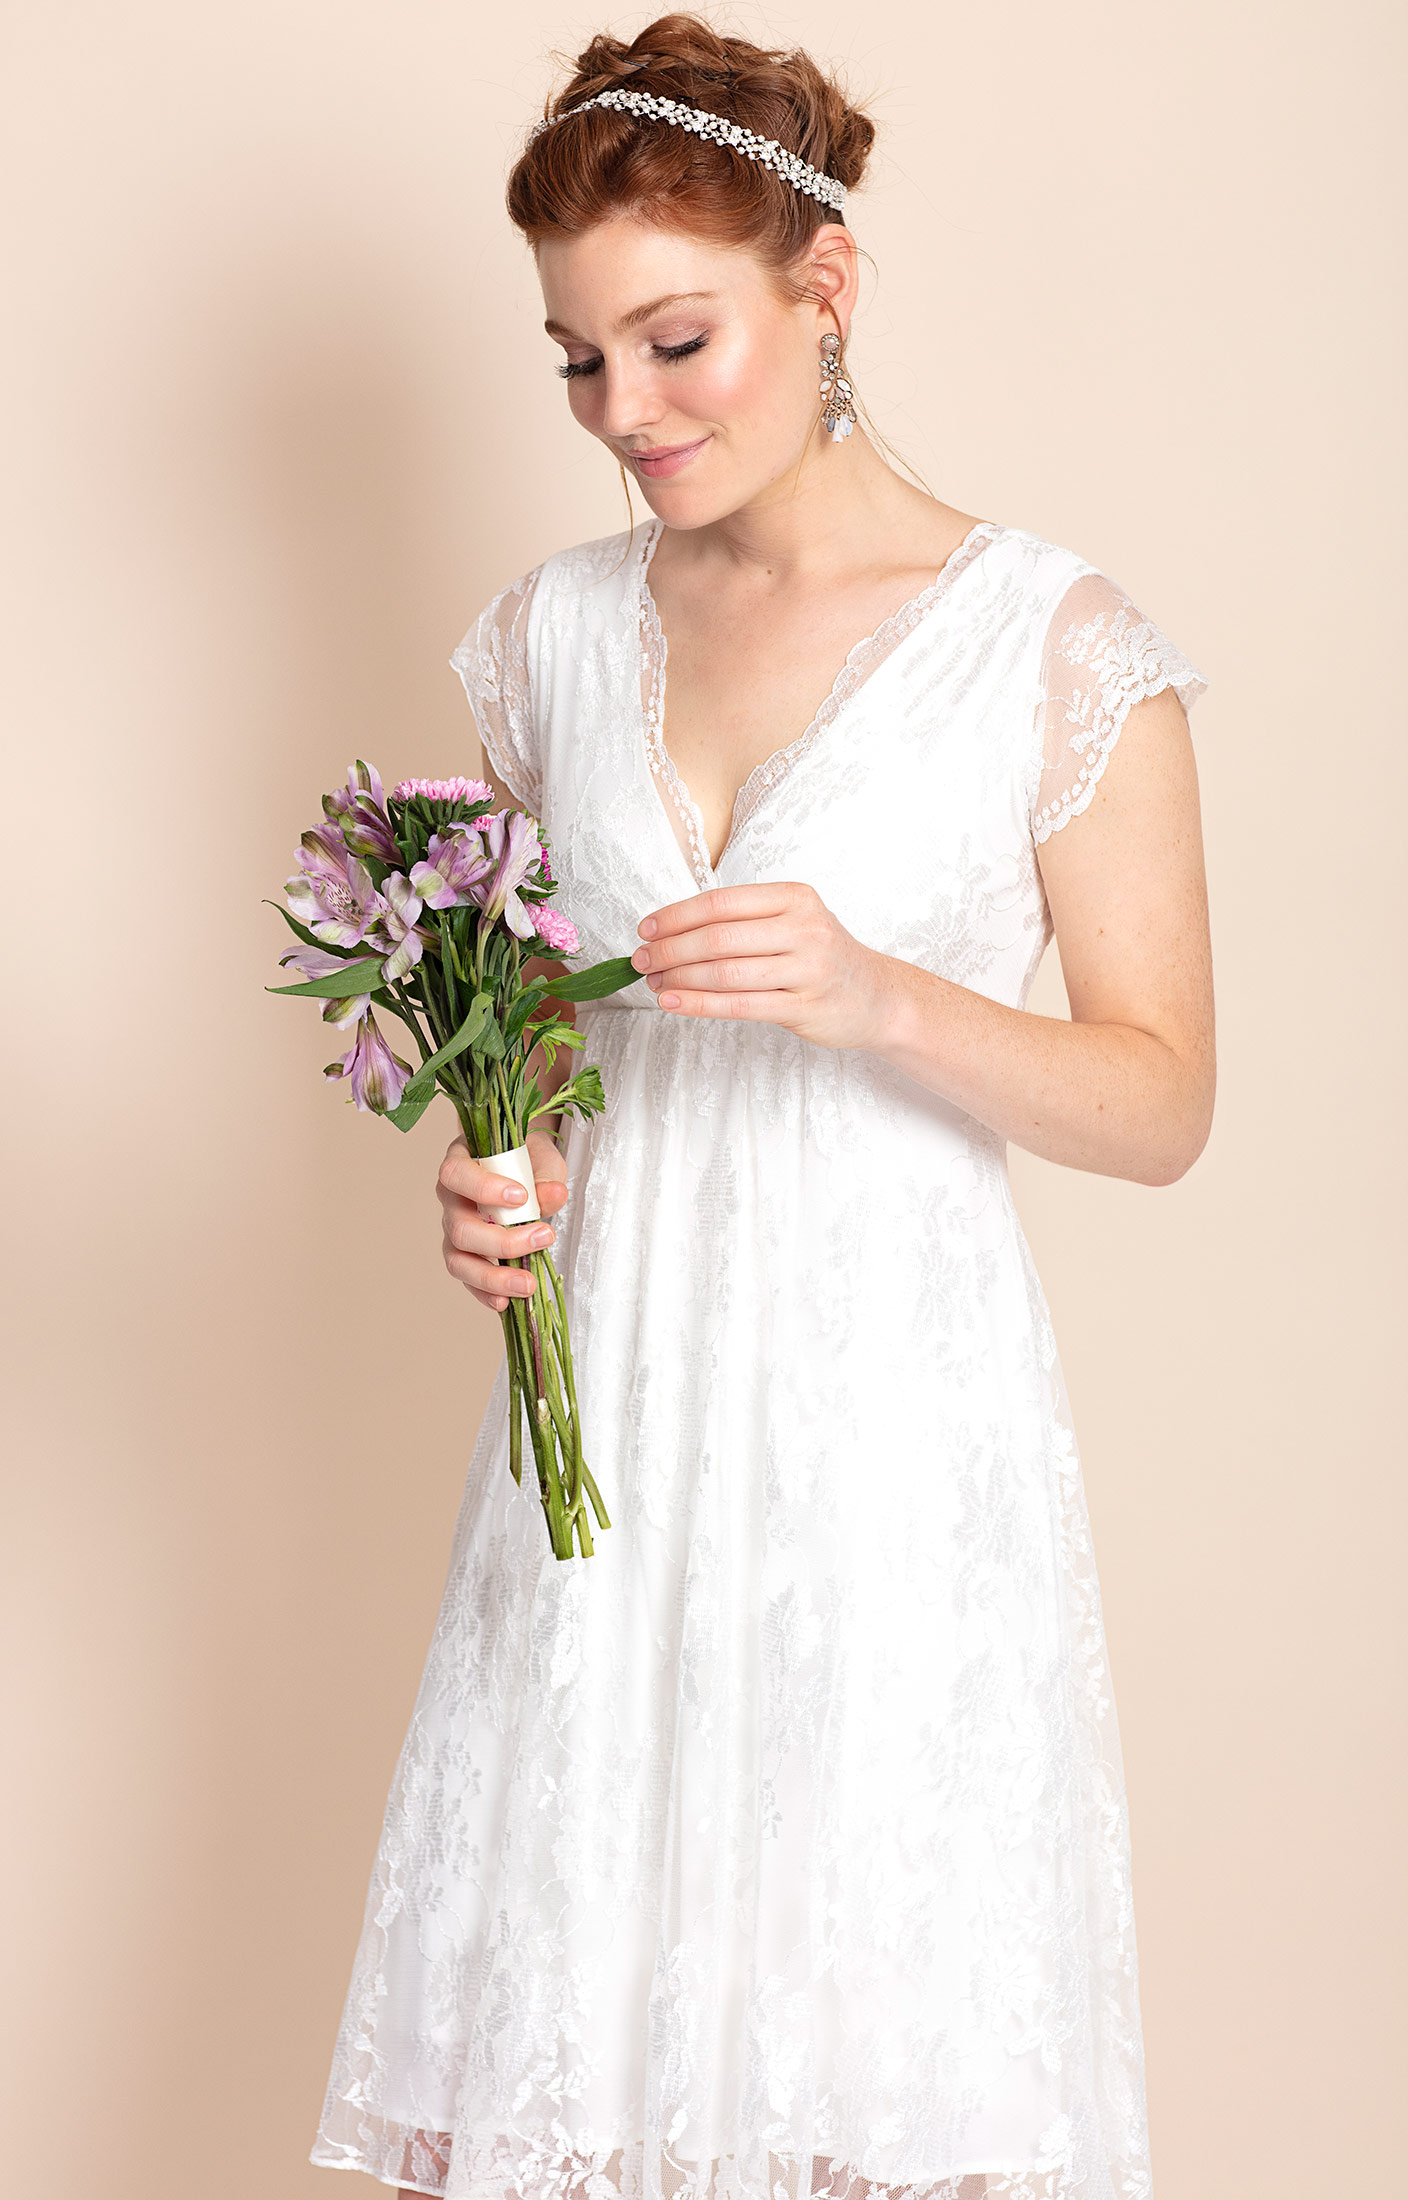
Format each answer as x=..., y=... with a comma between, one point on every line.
x=1102, y=657
x=781, y=1849
x=493, y=661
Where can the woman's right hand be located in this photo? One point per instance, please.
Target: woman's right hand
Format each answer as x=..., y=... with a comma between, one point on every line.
x=474, y=1245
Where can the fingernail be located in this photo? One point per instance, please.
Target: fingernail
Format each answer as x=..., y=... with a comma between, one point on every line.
x=541, y=1237
x=646, y=928
x=668, y=1000
x=641, y=957
x=511, y=1195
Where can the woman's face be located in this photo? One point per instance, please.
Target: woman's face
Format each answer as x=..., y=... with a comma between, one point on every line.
x=683, y=358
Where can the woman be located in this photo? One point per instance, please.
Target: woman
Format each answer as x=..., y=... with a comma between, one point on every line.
x=781, y=1847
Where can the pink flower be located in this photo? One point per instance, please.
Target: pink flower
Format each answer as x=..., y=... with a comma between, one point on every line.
x=378, y=1076
x=442, y=790
x=556, y=929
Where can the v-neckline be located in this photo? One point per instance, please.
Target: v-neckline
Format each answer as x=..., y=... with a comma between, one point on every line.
x=863, y=658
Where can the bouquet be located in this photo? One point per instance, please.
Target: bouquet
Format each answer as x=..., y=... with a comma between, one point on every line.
x=425, y=906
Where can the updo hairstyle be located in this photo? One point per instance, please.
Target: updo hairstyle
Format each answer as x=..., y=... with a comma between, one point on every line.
x=598, y=164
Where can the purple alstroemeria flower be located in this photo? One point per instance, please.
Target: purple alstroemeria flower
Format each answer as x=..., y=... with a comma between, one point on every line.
x=395, y=932
x=378, y=1076
x=458, y=861
x=360, y=814
x=512, y=841
x=332, y=892
x=316, y=962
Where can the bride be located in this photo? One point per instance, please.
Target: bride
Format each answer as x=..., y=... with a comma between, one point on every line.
x=781, y=1848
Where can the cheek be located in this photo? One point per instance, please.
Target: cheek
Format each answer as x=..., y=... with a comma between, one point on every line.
x=745, y=391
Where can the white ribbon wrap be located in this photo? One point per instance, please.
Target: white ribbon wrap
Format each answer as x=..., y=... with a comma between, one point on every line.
x=517, y=1164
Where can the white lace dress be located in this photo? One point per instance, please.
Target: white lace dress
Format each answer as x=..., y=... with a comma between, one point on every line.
x=780, y=1848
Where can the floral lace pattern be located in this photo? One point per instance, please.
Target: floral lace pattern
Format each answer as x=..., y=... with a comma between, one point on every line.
x=780, y=1850
x=492, y=662
x=1101, y=659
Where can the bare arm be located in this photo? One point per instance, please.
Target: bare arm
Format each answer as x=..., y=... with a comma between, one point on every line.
x=1125, y=1088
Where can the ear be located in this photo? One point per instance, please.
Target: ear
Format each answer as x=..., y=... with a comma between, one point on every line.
x=832, y=276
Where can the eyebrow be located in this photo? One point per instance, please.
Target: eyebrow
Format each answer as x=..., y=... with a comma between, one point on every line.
x=638, y=314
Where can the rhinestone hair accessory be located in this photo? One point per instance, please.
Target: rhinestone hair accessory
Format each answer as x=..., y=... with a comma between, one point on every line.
x=721, y=131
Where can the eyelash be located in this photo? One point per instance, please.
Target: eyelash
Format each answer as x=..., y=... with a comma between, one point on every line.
x=666, y=351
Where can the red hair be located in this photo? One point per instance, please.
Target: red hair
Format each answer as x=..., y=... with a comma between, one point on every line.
x=599, y=164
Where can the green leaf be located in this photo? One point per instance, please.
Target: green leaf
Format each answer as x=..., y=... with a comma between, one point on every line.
x=580, y=1095
x=338, y=985
x=411, y=1110
x=422, y=1085
x=594, y=984
x=528, y=1001
x=549, y=1037
x=300, y=931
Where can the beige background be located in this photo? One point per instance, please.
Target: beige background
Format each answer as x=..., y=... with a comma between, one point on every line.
x=280, y=419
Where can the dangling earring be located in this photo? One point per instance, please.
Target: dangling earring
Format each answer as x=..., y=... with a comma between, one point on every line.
x=838, y=412
x=626, y=491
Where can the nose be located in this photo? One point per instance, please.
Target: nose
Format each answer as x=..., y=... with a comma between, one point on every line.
x=630, y=400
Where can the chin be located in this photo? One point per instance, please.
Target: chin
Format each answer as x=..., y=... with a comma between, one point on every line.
x=683, y=503
x=685, y=508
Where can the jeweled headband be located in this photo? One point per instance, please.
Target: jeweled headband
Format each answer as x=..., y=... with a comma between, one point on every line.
x=767, y=151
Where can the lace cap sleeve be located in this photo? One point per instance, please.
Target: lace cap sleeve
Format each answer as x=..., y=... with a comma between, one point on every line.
x=1101, y=657
x=493, y=663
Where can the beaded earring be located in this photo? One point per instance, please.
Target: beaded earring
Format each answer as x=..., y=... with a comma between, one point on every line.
x=838, y=412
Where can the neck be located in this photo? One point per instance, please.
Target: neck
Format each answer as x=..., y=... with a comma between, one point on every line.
x=841, y=508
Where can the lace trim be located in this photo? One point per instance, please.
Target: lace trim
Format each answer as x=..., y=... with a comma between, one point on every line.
x=532, y=2169
x=861, y=660
x=492, y=662
x=1129, y=659
x=653, y=652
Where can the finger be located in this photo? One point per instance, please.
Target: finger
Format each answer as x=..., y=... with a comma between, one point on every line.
x=746, y=974
x=462, y=1177
x=761, y=898
x=753, y=936
x=757, y=1008
x=470, y=1232
x=482, y=1275
x=549, y=1170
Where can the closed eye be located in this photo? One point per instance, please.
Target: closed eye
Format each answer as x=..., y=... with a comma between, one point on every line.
x=662, y=351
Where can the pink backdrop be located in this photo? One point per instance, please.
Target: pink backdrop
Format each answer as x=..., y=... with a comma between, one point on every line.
x=281, y=417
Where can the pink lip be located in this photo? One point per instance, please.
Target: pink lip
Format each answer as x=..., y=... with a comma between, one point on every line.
x=656, y=464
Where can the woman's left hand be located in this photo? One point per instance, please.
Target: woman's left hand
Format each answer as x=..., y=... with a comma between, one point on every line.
x=768, y=953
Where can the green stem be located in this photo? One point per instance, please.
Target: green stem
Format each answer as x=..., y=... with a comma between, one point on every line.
x=406, y=1011
x=565, y=1355
x=447, y=964
x=515, y=1416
